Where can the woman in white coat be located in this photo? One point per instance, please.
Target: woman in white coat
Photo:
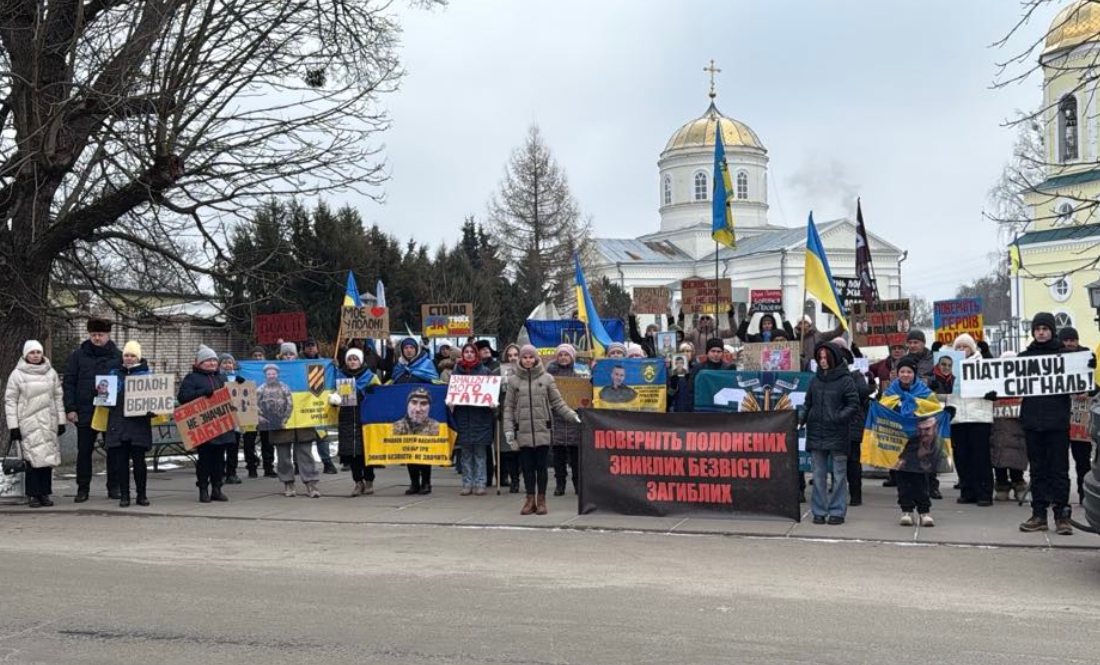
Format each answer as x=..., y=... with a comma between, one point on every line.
x=35, y=411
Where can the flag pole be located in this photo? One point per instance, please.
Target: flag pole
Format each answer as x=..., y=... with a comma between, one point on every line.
x=716, y=289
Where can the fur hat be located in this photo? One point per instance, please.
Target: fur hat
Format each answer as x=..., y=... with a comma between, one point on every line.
x=132, y=348
x=916, y=335
x=1045, y=319
x=287, y=347
x=568, y=348
x=32, y=345
x=715, y=343
x=98, y=325
x=205, y=353
x=966, y=340
x=483, y=344
x=354, y=352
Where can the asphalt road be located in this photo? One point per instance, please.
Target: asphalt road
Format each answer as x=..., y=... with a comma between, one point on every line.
x=85, y=589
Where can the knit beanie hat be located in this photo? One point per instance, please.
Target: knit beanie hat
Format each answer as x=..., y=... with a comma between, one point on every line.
x=908, y=361
x=1045, y=319
x=288, y=347
x=356, y=353
x=226, y=356
x=635, y=351
x=616, y=346
x=205, y=353
x=916, y=335
x=32, y=345
x=527, y=349
x=568, y=348
x=260, y=350
x=132, y=348
x=1068, y=333
x=966, y=340
x=715, y=343
x=841, y=343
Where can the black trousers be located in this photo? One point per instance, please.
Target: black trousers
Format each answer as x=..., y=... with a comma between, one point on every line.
x=1082, y=463
x=913, y=492
x=566, y=456
x=38, y=481
x=532, y=461
x=972, y=457
x=85, y=450
x=267, y=451
x=122, y=457
x=210, y=466
x=1048, y=457
x=1004, y=478
x=420, y=475
x=359, y=470
x=232, y=452
x=509, y=467
x=855, y=471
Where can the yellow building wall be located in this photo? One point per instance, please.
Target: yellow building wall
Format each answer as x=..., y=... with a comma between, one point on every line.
x=1037, y=296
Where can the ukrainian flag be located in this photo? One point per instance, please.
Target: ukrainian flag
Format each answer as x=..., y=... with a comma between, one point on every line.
x=819, y=279
x=586, y=312
x=351, y=292
x=1014, y=256
x=722, y=225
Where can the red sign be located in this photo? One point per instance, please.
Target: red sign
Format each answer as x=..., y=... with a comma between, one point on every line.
x=289, y=327
x=206, y=418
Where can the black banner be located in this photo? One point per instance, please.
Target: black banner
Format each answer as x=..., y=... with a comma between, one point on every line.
x=692, y=464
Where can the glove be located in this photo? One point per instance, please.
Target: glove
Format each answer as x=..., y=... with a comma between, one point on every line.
x=983, y=346
x=16, y=435
x=241, y=379
x=936, y=346
x=991, y=396
x=510, y=437
x=950, y=411
x=335, y=399
x=61, y=430
x=1092, y=362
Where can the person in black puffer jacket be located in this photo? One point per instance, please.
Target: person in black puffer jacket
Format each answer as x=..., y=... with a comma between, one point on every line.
x=96, y=356
x=350, y=422
x=128, y=439
x=566, y=440
x=1045, y=420
x=831, y=403
x=855, y=425
x=203, y=381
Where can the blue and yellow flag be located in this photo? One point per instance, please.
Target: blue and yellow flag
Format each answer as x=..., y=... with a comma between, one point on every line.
x=351, y=292
x=1014, y=257
x=819, y=279
x=722, y=225
x=292, y=394
x=586, y=312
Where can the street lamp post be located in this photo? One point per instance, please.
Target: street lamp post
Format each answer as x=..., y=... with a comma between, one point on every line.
x=1002, y=325
x=1094, y=298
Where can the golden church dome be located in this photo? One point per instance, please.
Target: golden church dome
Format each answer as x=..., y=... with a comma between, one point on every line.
x=700, y=133
x=1075, y=25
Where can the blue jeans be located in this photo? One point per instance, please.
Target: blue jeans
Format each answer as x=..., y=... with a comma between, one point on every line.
x=474, y=466
x=324, y=451
x=835, y=504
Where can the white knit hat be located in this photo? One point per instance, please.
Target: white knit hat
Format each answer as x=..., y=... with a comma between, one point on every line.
x=288, y=347
x=32, y=345
x=354, y=352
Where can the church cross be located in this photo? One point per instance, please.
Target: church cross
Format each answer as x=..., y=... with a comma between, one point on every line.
x=713, y=70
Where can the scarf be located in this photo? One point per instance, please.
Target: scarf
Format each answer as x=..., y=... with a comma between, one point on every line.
x=917, y=400
x=945, y=380
x=364, y=378
x=420, y=367
x=468, y=367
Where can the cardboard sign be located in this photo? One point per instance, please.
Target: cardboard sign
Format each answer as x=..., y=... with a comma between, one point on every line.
x=148, y=393
x=205, y=419
x=245, y=406
x=1061, y=374
x=766, y=301
x=575, y=390
x=1080, y=418
x=770, y=357
x=349, y=396
x=955, y=317
x=473, y=390
x=885, y=324
x=697, y=296
x=650, y=300
x=365, y=322
x=106, y=390
x=448, y=319
x=289, y=327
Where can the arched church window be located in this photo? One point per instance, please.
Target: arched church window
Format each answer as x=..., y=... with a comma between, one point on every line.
x=666, y=194
x=1067, y=128
x=701, y=189
x=1063, y=319
x=742, y=185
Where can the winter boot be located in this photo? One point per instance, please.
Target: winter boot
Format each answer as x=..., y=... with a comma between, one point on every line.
x=204, y=494
x=252, y=472
x=114, y=494
x=368, y=488
x=330, y=468
x=540, y=505
x=559, y=486
x=269, y=472
x=81, y=495
x=513, y=487
x=34, y=502
x=528, y=505
x=45, y=499
x=311, y=488
x=216, y=494
x=142, y=500
x=233, y=479
x=124, y=500
x=1035, y=523
x=358, y=489
x=289, y=491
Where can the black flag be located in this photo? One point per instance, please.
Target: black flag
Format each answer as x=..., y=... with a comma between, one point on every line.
x=868, y=287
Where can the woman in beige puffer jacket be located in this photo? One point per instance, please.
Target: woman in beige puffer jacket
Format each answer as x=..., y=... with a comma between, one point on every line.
x=531, y=400
x=35, y=412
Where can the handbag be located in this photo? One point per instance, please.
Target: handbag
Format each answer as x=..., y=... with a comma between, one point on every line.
x=11, y=467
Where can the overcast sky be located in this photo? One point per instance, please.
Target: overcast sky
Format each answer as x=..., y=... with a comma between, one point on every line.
x=891, y=101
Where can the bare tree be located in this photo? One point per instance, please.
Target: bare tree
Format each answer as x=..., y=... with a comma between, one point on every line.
x=147, y=128
x=538, y=222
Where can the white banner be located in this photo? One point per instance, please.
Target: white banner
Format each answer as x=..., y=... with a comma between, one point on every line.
x=1060, y=374
x=473, y=390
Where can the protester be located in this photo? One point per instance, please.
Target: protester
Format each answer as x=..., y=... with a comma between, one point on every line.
x=34, y=407
x=511, y=354
x=531, y=398
x=715, y=349
x=649, y=342
x=488, y=358
x=228, y=366
x=267, y=451
x=293, y=447
x=831, y=403
x=910, y=396
x=704, y=328
x=95, y=357
x=616, y=350
x=678, y=379
x=766, y=329
x=855, y=423
x=474, y=426
x=1081, y=451
x=634, y=351
x=445, y=366
x=203, y=381
x=1009, y=454
x=886, y=370
x=566, y=439
x=916, y=463
x=127, y=439
x=350, y=422
x=1045, y=419
x=415, y=366
x=311, y=351
x=810, y=337
x=971, y=427
x=916, y=343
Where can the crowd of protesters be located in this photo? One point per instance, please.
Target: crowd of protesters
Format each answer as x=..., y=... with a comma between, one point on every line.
x=534, y=429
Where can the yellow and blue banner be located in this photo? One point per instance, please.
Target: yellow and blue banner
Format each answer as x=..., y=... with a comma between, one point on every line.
x=892, y=421
x=630, y=384
x=547, y=335
x=586, y=313
x=407, y=423
x=721, y=213
x=819, y=279
x=292, y=394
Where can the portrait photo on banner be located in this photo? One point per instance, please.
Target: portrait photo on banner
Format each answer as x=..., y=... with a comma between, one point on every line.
x=635, y=384
x=292, y=394
x=407, y=423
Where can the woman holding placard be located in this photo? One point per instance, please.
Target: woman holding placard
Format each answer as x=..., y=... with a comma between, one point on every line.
x=128, y=439
x=204, y=380
x=475, y=427
x=350, y=426
x=35, y=411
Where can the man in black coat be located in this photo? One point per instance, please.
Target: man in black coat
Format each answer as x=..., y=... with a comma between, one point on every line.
x=96, y=356
x=715, y=349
